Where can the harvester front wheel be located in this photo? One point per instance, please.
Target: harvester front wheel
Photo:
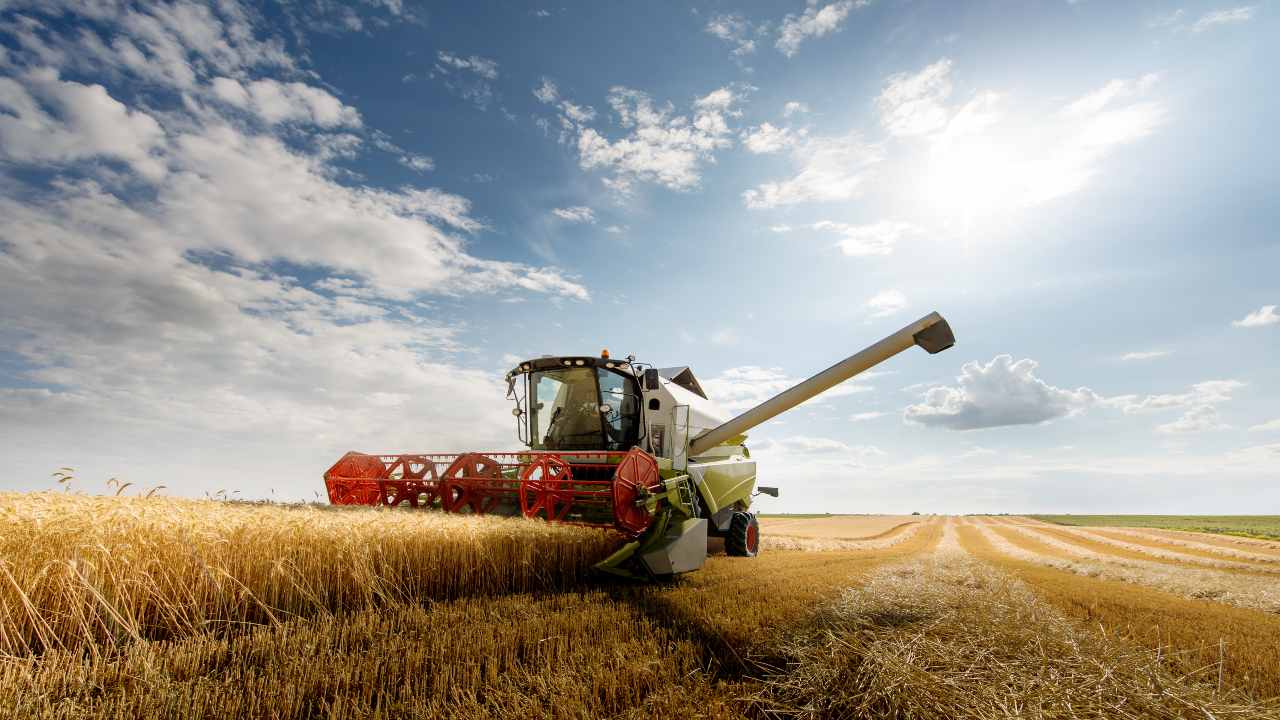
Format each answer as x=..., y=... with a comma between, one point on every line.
x=743, y=539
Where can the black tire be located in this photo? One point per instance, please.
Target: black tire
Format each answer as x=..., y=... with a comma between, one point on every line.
x=743, y=538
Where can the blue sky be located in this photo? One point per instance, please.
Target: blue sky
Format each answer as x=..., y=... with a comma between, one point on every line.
x=239, y=240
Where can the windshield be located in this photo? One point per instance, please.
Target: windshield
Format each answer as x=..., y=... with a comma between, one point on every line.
x=582, y=408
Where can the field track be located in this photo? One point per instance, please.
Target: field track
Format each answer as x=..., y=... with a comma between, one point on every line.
x=931, y=618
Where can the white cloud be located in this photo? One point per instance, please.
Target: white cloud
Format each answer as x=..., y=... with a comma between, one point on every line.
x=865, y=416
x=276, y=102
x=547, y=92
x=1269, y=426
x=770, y=139
x=1001, y=392
x=875, y=239
x=886, y=303
x=813, y=22
x=575, y=214
x=794, y=107
x=829, y=169
x=1144, y=355
x=660, y=146
x=160, y=301
x=470, y=77
x=913, y=104
x=1266, y=315
x=735, y=30
x=1197, y=419
x=420, y=163
x=1203, y=393
x=780, y=229
x=616, y=229
x=46, y=119
x=807, y=444
x=743, y=387
x=484, y=67
x=1223, y=17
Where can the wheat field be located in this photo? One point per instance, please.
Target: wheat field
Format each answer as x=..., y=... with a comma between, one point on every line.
x=160, y=608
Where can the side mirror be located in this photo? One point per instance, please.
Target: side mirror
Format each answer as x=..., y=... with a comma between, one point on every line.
x=651, y=381
x=765, y=490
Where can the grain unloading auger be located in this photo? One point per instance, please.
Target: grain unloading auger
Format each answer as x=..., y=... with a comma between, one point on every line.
x=615, y=444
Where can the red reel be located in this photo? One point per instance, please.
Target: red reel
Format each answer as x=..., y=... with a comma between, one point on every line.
x=636, y=476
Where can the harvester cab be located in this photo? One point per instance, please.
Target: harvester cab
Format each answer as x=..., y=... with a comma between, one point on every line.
x=618, y=444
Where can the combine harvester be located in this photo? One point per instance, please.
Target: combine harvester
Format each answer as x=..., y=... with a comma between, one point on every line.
x=615, y=444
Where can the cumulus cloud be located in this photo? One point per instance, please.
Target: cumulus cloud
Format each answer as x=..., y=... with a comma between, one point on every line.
x=794, y=107
x=735, y=30
x=44, y=118
x=767, y=138
x=276, y=102
x=197, y=270
x=878, y=238
x=1197, y=419
x=829, y=169
x=575, y=214
x=999, y=393
x=1266, y=315
x=886, y=303
x=814, y=22
x=1003, y=392
x=1230, y=16
x=865, y=416
x=912, y=104
x=659, y=145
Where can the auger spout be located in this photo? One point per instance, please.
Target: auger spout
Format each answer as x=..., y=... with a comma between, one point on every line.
x=930, y=332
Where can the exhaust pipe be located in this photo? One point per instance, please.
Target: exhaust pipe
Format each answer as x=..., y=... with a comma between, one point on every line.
x=931, y=332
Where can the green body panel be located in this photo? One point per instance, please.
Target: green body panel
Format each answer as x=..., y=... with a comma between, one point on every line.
x=725, y=481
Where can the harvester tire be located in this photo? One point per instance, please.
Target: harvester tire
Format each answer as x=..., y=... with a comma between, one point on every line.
x=743, y=539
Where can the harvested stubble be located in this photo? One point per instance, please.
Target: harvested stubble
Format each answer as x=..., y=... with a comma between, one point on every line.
x=948, y=637
x=1267, y=548
x=93, y=573
x=1135, y=549
x=888, y=538
x=687, y=648
x=1190, y=636
x=1239, y=589
x=1254, y=561
x=835, y=527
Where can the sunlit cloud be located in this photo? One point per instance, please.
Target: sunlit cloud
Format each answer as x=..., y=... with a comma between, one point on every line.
x=878, y=238
x=829, y=169
x=813, y=22
x=1266, y=315
x=886, y=303
x=1223, y=17
x=1144, y=355
x=575, y=214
